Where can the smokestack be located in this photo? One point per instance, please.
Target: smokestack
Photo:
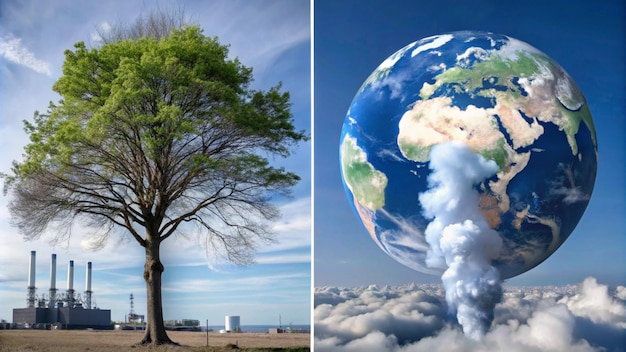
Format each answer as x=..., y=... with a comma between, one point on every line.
x=88, y=286
x=88, y=278
x=31, y=269
x=70, y=283
x=53, y=281
x=53, y=272
x=30, y=296
x=70, y=276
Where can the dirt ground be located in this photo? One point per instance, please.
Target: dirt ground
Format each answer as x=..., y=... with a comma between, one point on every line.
x=119, y=341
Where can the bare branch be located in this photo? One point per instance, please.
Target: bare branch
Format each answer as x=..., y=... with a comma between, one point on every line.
x=156, y=24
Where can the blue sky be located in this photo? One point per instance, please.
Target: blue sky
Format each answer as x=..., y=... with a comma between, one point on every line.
x=587, y=40
x=273, y=37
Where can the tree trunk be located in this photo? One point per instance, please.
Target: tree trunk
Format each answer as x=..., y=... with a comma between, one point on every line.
x=153, y=270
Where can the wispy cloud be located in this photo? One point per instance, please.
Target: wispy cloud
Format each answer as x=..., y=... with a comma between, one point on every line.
x=288, y=258
x=236, y=284
x=258, y=32
x=103, y=29
x=11, y=49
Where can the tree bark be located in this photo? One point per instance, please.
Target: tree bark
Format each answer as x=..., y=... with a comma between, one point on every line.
x=153, y=270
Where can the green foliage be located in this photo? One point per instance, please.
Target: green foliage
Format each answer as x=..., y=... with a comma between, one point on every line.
x=155, y=132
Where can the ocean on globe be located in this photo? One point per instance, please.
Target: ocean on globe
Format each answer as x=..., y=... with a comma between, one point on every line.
x=504, y=99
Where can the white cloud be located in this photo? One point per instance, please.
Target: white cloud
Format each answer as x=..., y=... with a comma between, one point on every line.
x=258, y=33
x=11, y=49
x=102, y=29
x=237, y=285
x=593, y=302
x=283, y=259
x=389, y=154
x=292, y=233
x=620, y=292
x=587, y=317
x=293, y=229
x=570, y=195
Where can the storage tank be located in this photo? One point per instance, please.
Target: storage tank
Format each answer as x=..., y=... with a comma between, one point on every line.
x=232, y=323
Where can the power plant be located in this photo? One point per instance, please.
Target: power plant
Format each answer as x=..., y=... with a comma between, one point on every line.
x=68, y=311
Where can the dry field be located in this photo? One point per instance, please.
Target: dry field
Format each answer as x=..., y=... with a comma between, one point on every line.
x=119, y=341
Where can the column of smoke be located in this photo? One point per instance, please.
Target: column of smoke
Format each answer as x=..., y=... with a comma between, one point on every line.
x=459, y=236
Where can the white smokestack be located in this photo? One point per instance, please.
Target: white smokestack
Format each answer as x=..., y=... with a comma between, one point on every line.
x=30, y=294
x=460, y=237
x=88, y=285
x=70, y=276
x=88, y=278
x=53, y=281
x=53, y=272
x=70, y=284
x=31, y=269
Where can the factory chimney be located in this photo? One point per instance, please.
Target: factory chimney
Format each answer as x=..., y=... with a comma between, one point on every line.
x=88, y=286
x=30, y=295
x=53, y=282
x=70, y=284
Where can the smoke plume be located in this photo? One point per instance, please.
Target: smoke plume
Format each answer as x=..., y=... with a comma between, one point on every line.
x=459, y=236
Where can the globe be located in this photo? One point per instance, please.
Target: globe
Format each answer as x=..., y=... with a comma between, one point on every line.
x=506, y=101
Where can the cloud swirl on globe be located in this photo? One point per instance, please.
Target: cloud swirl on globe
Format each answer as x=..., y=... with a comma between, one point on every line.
x=495, y=98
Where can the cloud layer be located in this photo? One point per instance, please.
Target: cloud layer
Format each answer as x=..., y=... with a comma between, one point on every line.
x=584, y=317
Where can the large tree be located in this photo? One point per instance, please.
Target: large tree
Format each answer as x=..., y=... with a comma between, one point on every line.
x=150, y=134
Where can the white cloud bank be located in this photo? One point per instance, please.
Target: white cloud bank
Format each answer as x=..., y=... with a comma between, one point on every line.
x=11, y=49
x=586, y=317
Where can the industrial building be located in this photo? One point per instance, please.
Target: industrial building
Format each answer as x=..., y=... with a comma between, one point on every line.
x=66, y=311
x=182, y=322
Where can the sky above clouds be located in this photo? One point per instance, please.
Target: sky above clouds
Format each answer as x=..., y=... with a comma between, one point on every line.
x=273, y=37
x=587, y=40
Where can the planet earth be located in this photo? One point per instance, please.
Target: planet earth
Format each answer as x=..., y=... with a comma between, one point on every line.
x=504, y=99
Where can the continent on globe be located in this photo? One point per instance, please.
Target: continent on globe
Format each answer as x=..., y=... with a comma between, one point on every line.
x=504, y=99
